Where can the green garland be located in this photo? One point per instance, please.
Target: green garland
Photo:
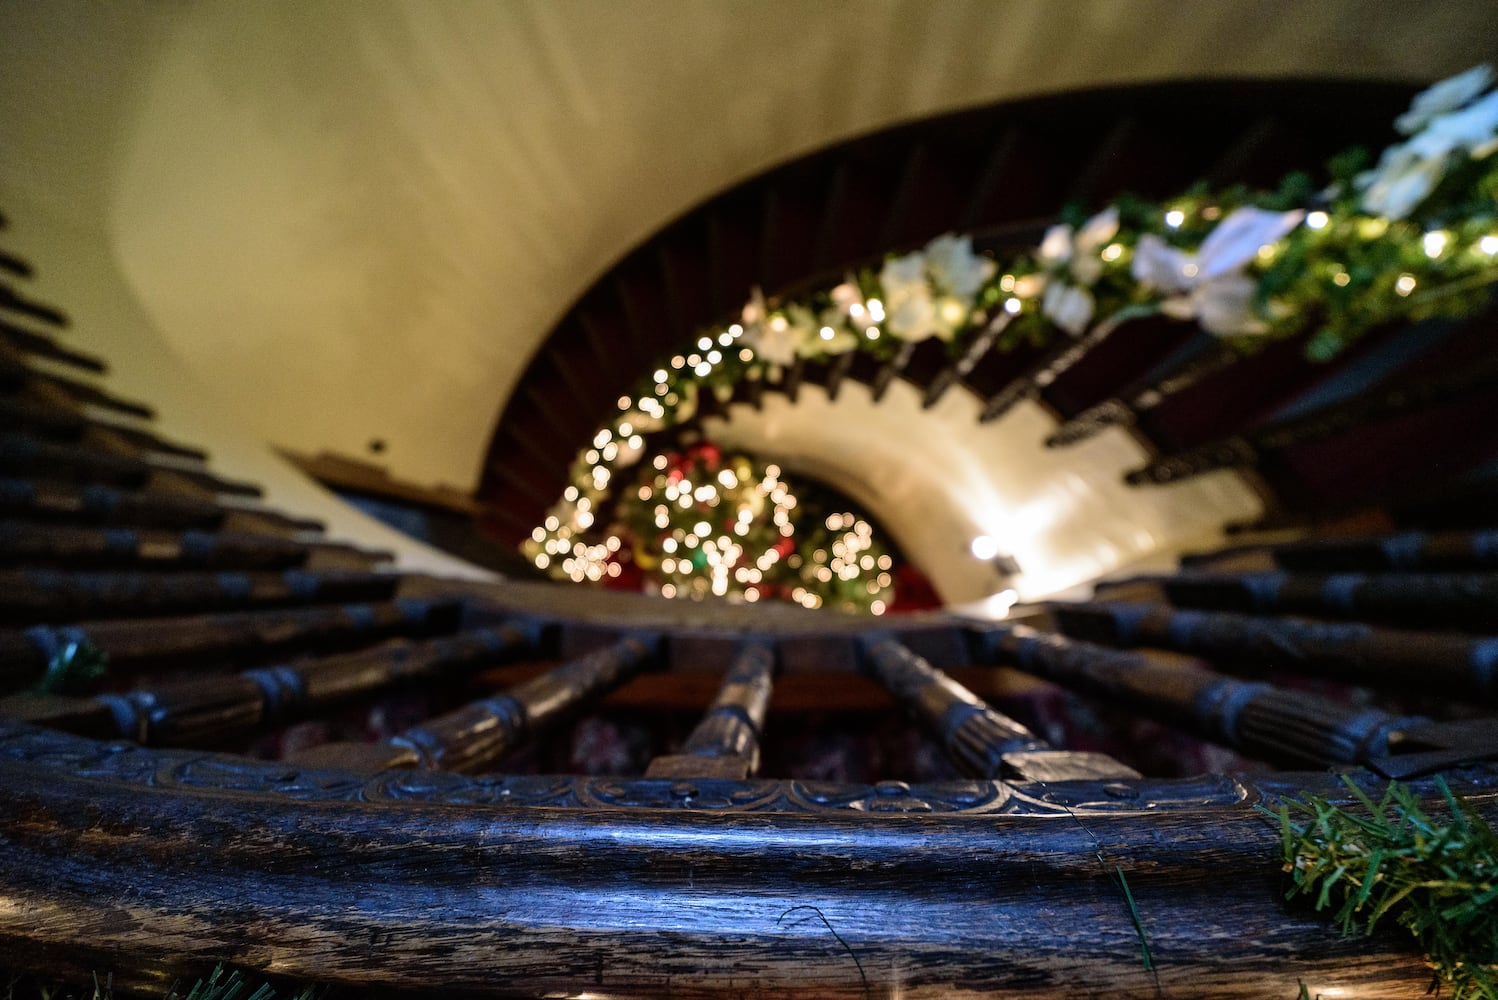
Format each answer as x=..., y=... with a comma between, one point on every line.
x=1411, y=237
x=1435, y=876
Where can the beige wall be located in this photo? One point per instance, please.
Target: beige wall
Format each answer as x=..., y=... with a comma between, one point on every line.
x=355, y=220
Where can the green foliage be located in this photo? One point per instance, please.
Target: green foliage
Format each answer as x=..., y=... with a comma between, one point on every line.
x=74, y=669
x=221, y=984
x=1434, y=875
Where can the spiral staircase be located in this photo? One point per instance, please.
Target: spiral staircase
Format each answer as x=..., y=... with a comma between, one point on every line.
x=151, y=829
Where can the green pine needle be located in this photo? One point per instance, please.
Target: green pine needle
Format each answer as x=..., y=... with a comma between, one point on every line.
x=221, y=984
x=1436, y=876
x=74, y=669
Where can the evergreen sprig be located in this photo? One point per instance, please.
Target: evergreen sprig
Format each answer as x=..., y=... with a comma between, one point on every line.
x=221, y=984
x=1435, y=875
x=74, y=669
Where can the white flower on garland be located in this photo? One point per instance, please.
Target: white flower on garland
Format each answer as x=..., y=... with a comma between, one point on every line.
x=772, y=337
x=929, y=293
x=1211, y=286
x=954, y=268
x=1443, y=98
x=1073, y=263
x=1447, y=120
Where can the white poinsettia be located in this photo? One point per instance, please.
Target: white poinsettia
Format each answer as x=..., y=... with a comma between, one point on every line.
x=1079, y=253
x=771, y=337
x=955, y=268
x=1068, y=306
x=1072, y=260
x=908, y=308
x=1452, y=126
x=930, y=293
x=1211, y=286
x=1444, y=97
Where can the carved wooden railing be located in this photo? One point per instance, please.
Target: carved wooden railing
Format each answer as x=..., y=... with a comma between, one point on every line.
x=164, y=820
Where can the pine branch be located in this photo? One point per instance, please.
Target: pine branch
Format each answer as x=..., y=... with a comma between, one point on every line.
x=1436, y=876
x=221, y=984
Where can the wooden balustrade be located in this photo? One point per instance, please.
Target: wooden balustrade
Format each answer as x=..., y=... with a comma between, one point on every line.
x=478, y=735
x=699, y=878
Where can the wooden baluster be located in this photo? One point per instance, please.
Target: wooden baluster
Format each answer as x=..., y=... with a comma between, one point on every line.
x=13, y=300
x=1061, y=357
x=1381, y=402
x=963, y=366
x=1363, y=654
x=1421, y=600
x=22, y=454
x=791, y=384
x=18, y=413
x=1287, y=728
x=1201, y=360
x=24, y=342
x=214, y=709
x=725, y=743
x=44, y=499
x=32, y=596
x=37, y=544
x=887, y=371
x=476, y=736
x=48, y=500
x=18, y=266
x=983, y=742
x=225, y=639
x=838, y=372
x=1411, y=550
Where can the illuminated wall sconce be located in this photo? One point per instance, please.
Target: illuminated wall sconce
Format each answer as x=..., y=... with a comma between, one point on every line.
x=986, y=549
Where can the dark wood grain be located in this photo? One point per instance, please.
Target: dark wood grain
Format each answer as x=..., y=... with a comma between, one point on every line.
x=491, y=900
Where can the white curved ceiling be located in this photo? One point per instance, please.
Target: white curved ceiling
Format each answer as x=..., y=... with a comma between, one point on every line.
x=937, y=478
x=357, y=220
